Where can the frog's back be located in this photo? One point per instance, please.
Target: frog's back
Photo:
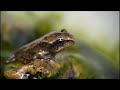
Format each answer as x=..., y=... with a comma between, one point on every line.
x=25, y=53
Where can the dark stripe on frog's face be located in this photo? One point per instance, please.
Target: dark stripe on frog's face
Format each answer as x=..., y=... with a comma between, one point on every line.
x=60, y=45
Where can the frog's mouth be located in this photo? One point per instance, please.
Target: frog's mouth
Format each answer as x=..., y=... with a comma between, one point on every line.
x=68, y=43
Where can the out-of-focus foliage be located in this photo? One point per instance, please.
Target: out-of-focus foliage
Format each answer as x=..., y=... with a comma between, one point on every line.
x=20, y=28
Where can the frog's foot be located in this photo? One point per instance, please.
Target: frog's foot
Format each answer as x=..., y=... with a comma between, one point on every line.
x=11, y=59
x=42, y=59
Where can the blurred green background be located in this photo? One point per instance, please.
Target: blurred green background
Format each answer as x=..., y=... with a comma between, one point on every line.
x=96, y=35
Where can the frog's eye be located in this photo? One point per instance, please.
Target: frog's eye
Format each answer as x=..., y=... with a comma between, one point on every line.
x=61, y=40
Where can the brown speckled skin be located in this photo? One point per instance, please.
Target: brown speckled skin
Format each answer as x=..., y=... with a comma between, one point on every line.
x=44, y=48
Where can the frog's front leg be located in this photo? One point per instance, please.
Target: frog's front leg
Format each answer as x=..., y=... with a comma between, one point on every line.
x=44, y=56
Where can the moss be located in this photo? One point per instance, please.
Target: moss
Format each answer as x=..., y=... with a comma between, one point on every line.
x=82, y=69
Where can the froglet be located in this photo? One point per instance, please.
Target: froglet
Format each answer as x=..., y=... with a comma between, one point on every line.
x=44, y=48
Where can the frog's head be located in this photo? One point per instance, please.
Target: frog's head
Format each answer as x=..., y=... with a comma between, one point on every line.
x=59, y=40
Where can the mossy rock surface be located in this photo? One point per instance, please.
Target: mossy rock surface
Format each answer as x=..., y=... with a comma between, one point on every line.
x=72, y=67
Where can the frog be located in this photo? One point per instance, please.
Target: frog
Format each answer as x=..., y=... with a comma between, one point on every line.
x=33, y=55
x=44, y=48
